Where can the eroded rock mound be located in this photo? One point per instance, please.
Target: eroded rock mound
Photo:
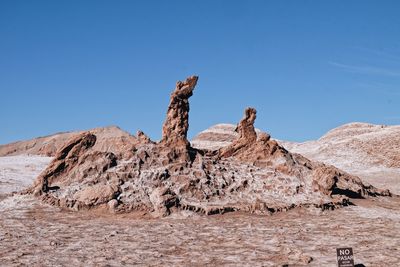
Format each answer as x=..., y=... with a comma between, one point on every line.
x=253, y=174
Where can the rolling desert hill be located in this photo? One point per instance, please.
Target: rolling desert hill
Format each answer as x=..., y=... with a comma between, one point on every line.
x=369, y=151
x=49, y=145
x=40, y=146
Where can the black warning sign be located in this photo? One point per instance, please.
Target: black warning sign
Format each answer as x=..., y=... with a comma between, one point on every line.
x=345, y=257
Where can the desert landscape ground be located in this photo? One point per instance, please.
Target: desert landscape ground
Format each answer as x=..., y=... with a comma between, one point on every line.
x=232, y=196
x=36, y=234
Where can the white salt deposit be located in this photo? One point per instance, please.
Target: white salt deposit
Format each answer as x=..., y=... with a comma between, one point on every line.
x=19, y=172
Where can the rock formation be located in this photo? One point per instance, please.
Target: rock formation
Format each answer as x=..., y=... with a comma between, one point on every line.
x=253, y=174
x=176, y=124
x=250, y=147
x=247, y=134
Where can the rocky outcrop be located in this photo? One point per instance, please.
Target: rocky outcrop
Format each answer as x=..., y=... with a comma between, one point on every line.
x=247, y=135
x=97, y=194
x=65, y=160
x=143, y=138
x=249, y=147
x=176, y=125
x=332, y=181
x=73, y=163
x=253, y=174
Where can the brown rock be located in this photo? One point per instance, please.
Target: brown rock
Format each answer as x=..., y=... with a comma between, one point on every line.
x=176, y=124
x=65, y=158
x=247, y=147
x=247, y=134
x=73, y=163
x=325, y=179
x=264, y=138
x=162, y=199
x=143, y=138
x=96, y=194
x=76, y=147
x=246, y=128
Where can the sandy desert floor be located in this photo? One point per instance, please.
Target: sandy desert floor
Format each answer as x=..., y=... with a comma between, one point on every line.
x=35, y=234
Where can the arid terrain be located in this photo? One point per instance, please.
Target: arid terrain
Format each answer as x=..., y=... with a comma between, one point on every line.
x=36, y=234
x=233, y=196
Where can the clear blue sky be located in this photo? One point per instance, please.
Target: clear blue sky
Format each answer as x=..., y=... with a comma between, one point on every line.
x=307, y=66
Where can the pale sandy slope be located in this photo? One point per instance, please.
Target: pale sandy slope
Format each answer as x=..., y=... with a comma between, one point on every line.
x=48, y=145
x=369, y=151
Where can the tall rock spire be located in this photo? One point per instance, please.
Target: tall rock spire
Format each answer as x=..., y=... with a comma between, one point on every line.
x=176, y=125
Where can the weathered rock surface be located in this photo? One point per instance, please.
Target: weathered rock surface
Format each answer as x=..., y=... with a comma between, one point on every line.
x=97, y=194
x=176, y=124
x=253, y=174
x=247, y=135
x=251, y=148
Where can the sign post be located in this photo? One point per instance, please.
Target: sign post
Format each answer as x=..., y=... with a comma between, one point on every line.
x=345, y=257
